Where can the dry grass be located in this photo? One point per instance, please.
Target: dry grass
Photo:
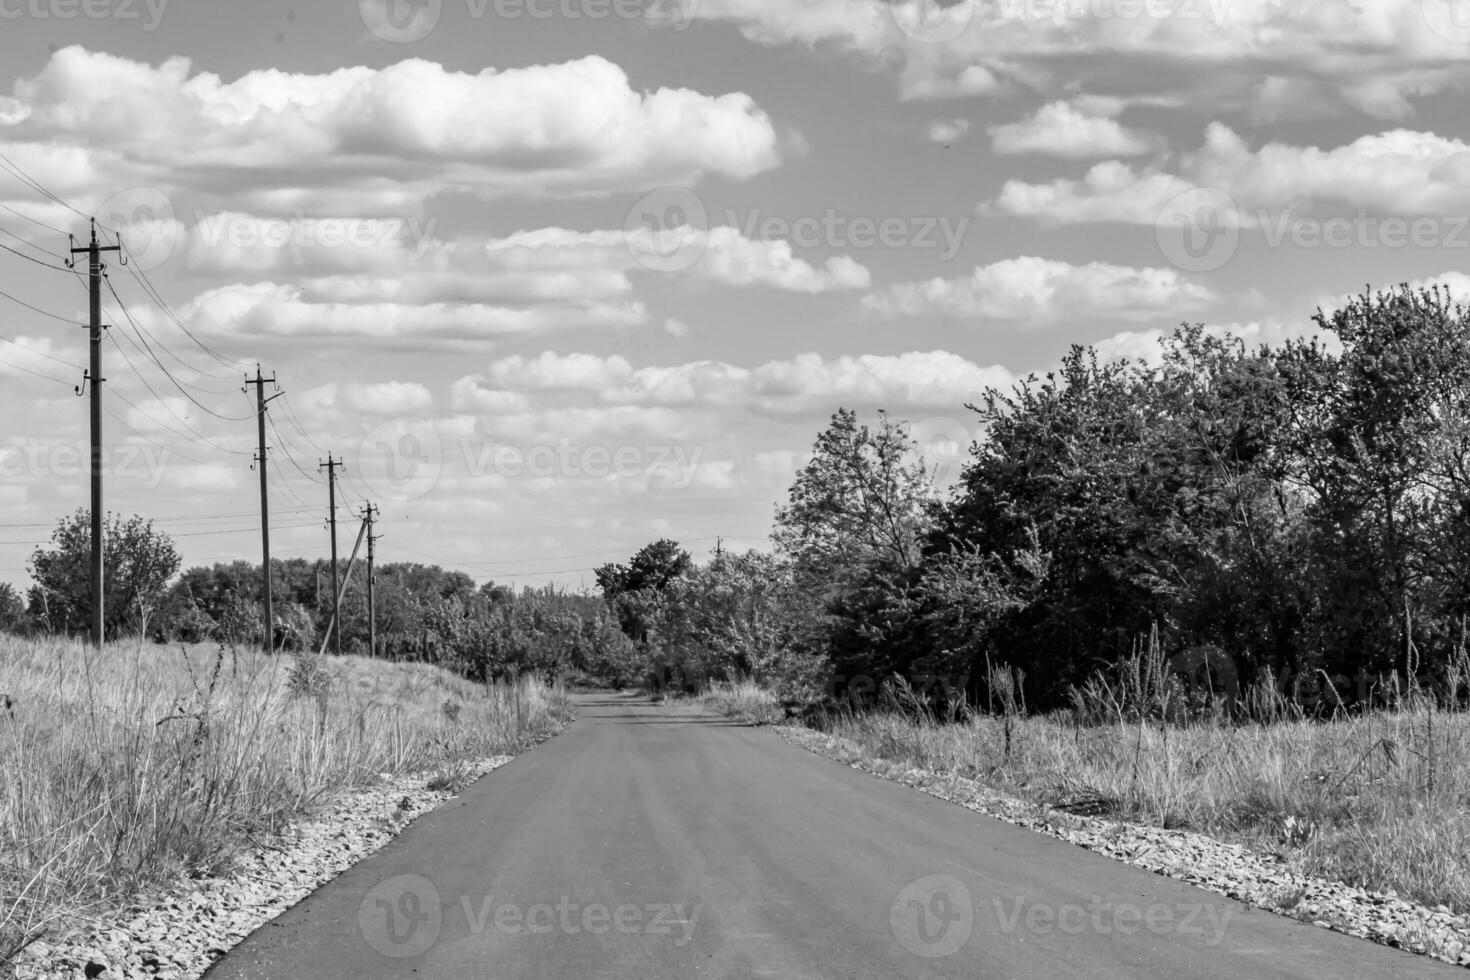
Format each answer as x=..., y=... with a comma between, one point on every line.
x=1380, y=800
x=128, y=767
x=743, y=700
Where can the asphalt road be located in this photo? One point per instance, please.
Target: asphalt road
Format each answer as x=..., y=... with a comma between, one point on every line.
x=649, y=842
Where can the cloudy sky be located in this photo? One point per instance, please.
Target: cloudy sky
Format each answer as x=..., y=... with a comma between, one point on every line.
x=558, y=277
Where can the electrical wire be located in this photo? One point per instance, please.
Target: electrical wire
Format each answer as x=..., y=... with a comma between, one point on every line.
x=40, y=353
x=38, y=374
x=168, y=374
x=37, y=309
x=198, y=436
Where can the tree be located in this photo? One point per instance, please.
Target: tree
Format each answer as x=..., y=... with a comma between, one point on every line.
x=852, y=531
x=633, y=590
x=12, y=609
x=137, y=563
x=858, y=501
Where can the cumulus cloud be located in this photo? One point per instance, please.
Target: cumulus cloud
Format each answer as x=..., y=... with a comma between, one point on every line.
x=1063, y=130
x=1263, y=56
x=1031, y=289
x=359, y=261
x=948, y=130
x=1396, y=172
x=807, y=382
x=376, y=138
x=275, y=310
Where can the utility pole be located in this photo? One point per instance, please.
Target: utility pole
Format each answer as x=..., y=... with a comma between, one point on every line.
x=265, y=514
x=370, y=515
x=94, y=374
x=331, y=468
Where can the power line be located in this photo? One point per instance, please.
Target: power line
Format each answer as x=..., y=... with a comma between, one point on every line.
x=168, y=374
x=142, y=279
x=31, y=258
x=37, y=222
x=38, y=374
x=20, y=174
x=40, y=353
x=199, y=437
x=39, y=248
x=37, y=309
x=142, y=330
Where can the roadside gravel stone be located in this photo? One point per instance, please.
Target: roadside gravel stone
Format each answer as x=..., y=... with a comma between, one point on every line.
x=1261, y=880
x=178, y=932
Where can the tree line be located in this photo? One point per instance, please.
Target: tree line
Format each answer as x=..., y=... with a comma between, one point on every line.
x=1301, y=510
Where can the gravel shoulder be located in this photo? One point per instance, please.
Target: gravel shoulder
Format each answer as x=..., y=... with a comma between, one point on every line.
x=179, y=932
x=1262, y=880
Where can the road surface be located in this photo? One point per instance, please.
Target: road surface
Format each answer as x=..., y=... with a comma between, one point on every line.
x=650, y=842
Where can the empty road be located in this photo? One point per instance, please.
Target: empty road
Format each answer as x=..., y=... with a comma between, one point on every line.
x=658, y=842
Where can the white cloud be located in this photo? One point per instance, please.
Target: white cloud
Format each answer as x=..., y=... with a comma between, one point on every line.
x=271, y=309
x=806, y=382
x=1064, y=130
x=1373, y=58
x=374, y=261
x=948, y=130
x=1029, y=289
x=379, y=138
x=1398, y=172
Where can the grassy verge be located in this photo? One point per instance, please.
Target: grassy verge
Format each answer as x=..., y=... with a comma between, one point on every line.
x=133, y=765
x=743, y=700
x=1380, y=800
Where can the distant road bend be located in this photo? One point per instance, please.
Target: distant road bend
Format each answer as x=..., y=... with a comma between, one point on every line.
x=649, y=841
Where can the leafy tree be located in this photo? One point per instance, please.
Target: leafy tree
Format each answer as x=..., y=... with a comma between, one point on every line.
x=137, y=561
x=633, y=590
x=852, y=530
x=12, y=609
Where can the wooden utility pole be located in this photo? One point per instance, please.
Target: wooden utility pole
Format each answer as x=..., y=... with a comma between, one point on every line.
x=265, y=515
x=336, y=629
x=361, y=532
x=94, y=374
x=370, y=515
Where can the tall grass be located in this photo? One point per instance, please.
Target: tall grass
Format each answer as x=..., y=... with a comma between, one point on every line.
x=744, y=700
x=1380, y=800
x=129, y=766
